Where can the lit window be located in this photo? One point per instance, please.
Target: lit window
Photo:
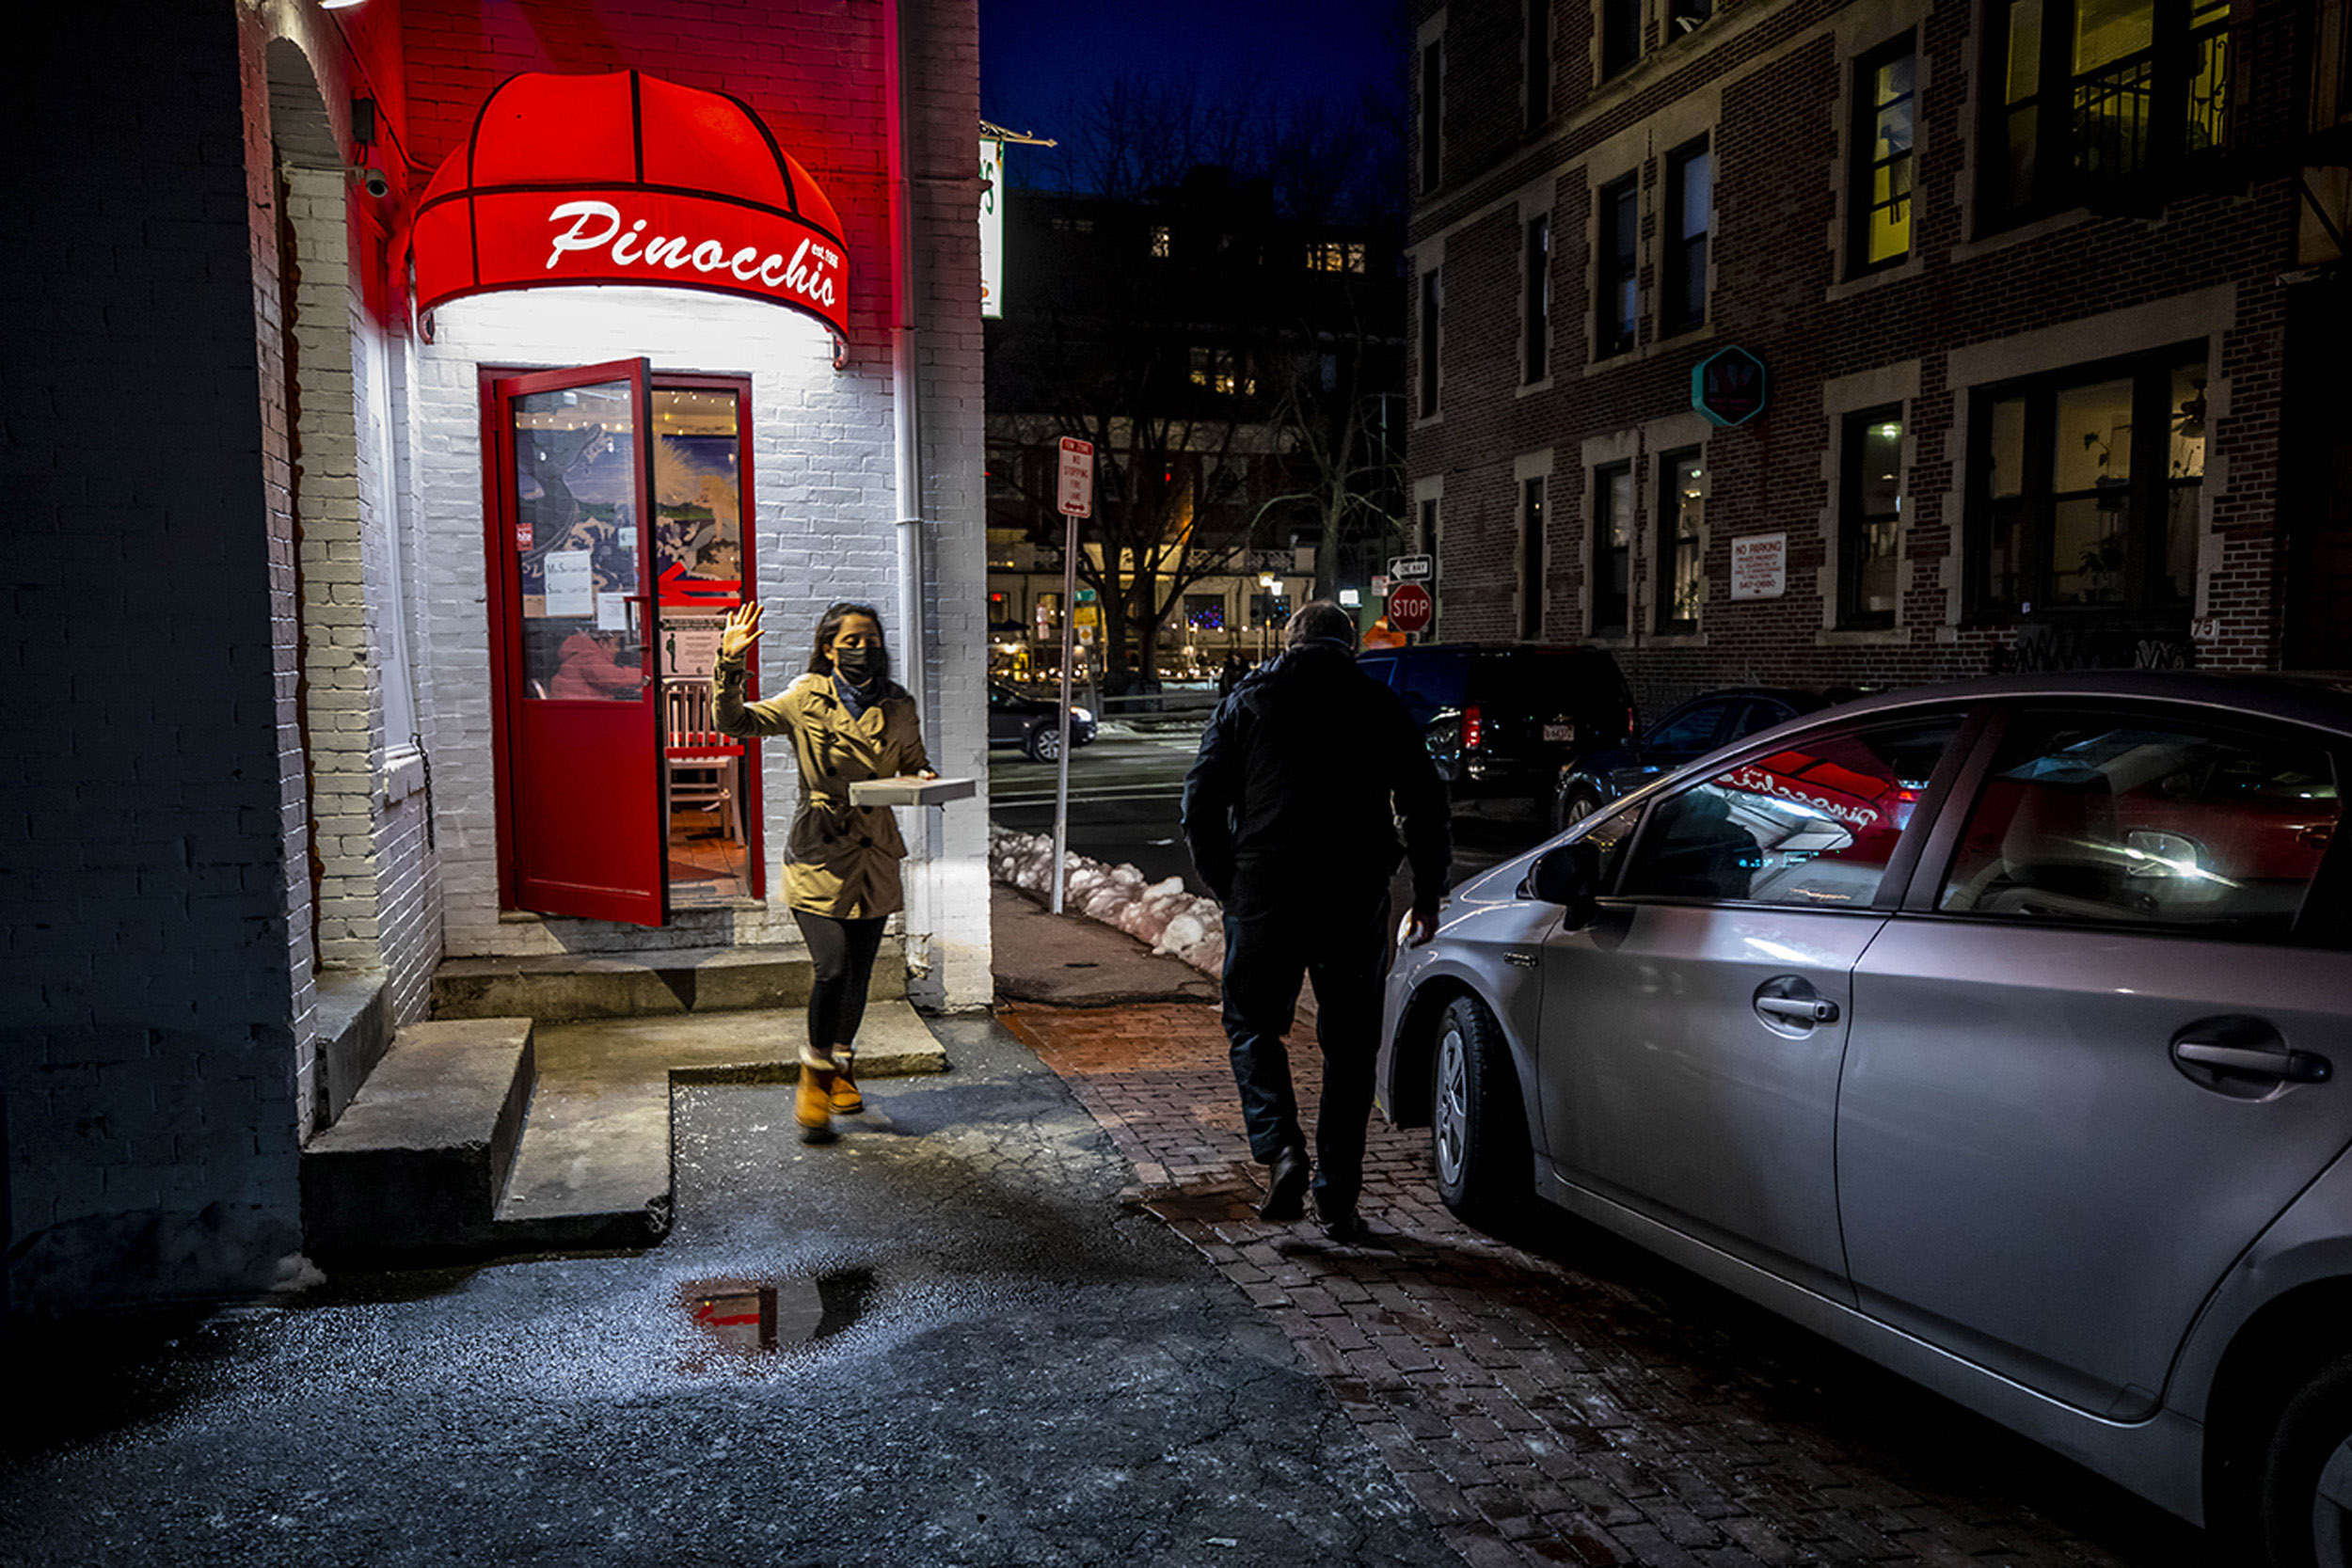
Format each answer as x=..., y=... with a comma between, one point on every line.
x=1880, y=195
x=1870, y=516
x=2097, y=96
x=1161, y=241
x=1681, y=512
x=1613, y=549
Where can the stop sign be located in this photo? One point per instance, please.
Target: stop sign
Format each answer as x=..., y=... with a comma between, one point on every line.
x=1409, y=606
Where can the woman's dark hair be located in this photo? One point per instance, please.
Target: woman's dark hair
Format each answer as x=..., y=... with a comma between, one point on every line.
x=829, y=625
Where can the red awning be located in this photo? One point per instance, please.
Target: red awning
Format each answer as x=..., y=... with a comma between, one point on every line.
x=624, y=178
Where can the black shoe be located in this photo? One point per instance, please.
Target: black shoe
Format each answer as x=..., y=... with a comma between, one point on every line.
x=1286, y=1193
x=1340, y=1221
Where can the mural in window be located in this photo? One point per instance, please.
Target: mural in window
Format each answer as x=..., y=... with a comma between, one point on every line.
x=576, y=542
x=1204, y=611
x=698, y=499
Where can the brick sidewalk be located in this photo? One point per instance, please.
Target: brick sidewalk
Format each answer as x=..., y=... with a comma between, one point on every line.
x=1610, y=1409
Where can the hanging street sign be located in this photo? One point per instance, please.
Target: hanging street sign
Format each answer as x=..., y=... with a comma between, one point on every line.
x=1729, y=386
x=1075, y=478
x=1411, y=607
x=1411, y=568
x=992, y=227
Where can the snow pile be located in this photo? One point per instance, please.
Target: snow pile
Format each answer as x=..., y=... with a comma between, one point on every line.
x=1161, y=913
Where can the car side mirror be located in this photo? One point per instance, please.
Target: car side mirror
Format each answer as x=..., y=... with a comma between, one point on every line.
x=1568, y=876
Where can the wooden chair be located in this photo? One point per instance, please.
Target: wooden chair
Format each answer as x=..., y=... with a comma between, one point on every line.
x=704, y=766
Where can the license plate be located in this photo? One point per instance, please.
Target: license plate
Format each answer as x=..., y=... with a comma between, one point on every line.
x=1560, y=732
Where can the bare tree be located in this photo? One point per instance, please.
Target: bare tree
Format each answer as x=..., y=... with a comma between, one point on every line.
x=1175, y=320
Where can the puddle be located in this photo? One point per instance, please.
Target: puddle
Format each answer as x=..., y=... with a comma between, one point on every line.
x=755, y=1317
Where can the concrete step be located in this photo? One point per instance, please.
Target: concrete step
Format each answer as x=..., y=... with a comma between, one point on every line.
x=564, y=986
x=593, y=1169
x=417, y=1161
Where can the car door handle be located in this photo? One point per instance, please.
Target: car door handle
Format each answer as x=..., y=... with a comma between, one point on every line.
x=2296, y=1067
x=1799, y=1009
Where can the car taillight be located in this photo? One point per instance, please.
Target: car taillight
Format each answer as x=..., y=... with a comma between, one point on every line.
x=1473, y=729
x=1632, y=720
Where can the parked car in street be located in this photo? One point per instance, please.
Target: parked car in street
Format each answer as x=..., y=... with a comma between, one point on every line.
x=1502, y=721
x=1996, y=1031
x=1033, y=723
x=1686, y=733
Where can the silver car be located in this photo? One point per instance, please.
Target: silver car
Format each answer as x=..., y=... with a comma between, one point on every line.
x=1991, y=1030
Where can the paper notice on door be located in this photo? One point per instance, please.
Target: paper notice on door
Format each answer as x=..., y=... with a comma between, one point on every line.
x=571, y=584
x=689, y=647
x=612, y=612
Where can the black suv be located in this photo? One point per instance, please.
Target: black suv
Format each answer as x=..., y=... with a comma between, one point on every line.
x=1684, y=735
x=1501, y=722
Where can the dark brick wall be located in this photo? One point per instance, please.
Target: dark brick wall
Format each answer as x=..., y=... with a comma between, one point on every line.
x=146, y=1054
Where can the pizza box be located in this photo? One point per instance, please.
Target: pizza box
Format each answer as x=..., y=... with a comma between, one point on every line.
x=912, y=792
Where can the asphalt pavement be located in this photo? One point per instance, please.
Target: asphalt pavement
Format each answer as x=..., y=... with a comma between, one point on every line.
x=1007, y=1367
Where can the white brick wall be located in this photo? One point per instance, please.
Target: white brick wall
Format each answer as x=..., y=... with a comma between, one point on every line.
x=823, y=516
x=943, y=86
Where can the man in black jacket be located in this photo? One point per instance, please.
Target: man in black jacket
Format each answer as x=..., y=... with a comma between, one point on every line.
x=1290, y=812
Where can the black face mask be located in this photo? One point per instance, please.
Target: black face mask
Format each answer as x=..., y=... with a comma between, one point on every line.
x=861, y=666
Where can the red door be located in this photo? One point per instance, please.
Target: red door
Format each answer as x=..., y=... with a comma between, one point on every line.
x=576, y=703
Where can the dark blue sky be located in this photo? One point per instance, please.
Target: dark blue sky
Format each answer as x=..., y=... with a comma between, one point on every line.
x=1039, y=57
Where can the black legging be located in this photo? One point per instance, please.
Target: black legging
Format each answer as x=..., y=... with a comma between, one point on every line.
x=844, y=952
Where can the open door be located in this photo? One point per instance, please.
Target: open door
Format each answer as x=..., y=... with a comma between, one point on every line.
x=575, y=687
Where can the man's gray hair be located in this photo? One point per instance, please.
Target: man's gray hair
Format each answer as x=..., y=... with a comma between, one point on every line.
x=1320, y=620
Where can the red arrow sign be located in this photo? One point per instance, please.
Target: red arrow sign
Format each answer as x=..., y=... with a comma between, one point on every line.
x=1411, y=607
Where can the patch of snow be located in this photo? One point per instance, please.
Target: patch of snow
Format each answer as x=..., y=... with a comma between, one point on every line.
x=1162, y=913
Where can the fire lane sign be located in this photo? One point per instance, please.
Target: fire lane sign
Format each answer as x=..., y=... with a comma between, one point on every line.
x=1075, y=479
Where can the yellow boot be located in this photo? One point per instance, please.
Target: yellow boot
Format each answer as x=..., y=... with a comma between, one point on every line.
x=812, y=1107
x=847, y=1102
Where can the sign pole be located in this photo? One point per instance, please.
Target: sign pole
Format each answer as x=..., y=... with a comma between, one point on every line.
x=1076, y=491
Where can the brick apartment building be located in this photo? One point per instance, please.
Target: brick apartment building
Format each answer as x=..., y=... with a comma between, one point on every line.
x=2043, y=300
x=353, y=573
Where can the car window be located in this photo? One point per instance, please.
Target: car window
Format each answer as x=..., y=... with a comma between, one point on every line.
x=2098, y=818
x=1430, y=684
x=1812, y=825
x=1691, y=729
x=1611, y=834
x=1761, y=713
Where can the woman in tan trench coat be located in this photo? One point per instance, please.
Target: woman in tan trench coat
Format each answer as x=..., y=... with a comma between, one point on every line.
x=848, y=722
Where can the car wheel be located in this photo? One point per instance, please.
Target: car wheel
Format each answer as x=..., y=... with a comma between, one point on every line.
x=2305, y=1497
x=1477, y=1130
x=1572, y=808
x=1044, y=743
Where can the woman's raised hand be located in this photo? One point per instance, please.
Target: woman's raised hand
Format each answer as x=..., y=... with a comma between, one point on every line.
x=740, y=633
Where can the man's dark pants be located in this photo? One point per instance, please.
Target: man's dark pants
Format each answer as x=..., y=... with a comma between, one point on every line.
x=1275, y=937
